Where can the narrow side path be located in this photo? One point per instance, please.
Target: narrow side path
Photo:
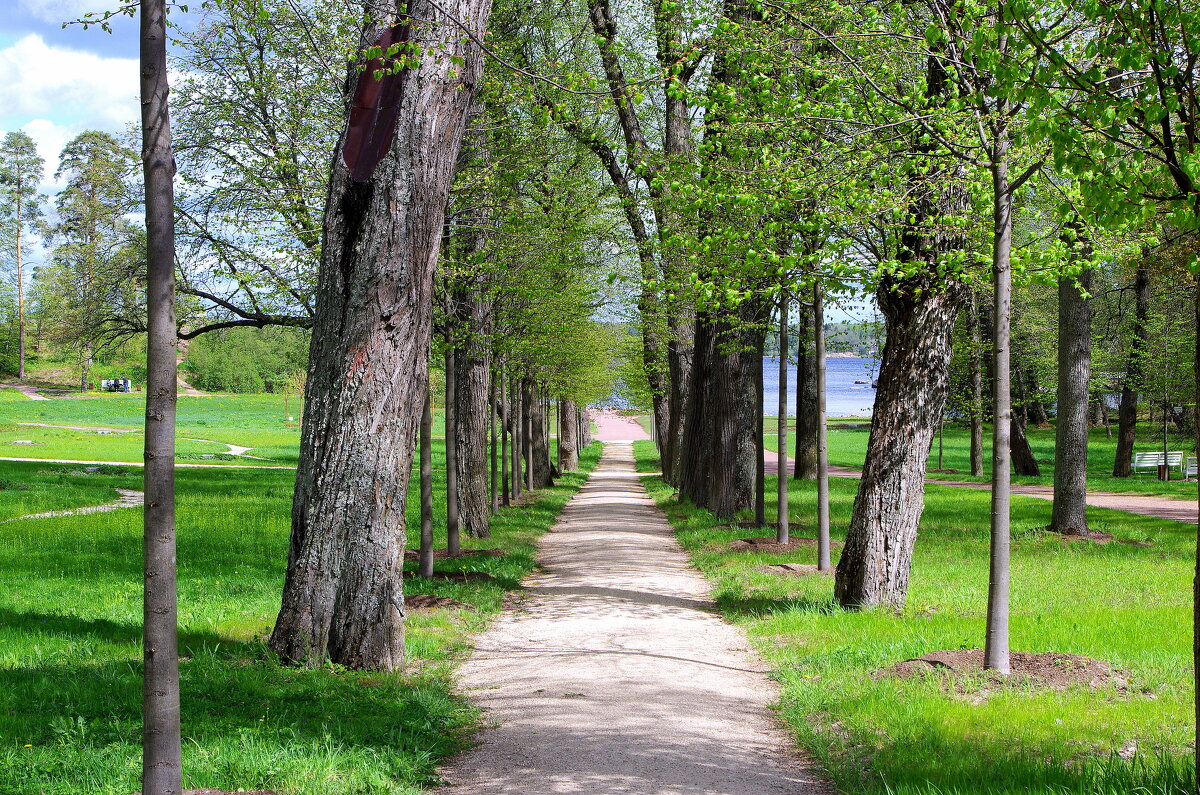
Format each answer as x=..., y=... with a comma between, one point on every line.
x=28, y=391
x=1141, y=504
x=616, y=675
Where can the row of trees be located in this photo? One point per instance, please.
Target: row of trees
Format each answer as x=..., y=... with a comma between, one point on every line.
x=752, y=153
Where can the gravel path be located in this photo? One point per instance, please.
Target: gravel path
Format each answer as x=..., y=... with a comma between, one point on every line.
x=616, y=675
x=28, y=391
x=128, y=498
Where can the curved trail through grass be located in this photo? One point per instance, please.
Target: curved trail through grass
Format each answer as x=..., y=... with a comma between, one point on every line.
x=28, y=391
x=128, y=499
x=616, y=675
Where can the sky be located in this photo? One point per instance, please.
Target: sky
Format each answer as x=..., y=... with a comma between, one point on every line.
x=55, y=82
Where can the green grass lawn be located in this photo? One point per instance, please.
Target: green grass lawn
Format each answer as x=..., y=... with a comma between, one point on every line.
x=847, y=439
x=256, y=421
x=1128, y=605
x=70, y=638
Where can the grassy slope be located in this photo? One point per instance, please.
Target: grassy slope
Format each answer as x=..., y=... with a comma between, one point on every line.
x=1125, y=604
x=70, y=611
x=848, y=447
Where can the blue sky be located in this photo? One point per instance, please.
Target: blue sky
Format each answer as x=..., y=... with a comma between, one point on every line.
x=55, y=82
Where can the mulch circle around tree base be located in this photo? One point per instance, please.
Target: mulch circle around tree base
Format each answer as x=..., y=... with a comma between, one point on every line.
x=441, y=554
x=424, y=601
x=1047, y=670
x=795, y=569
x=769, y=545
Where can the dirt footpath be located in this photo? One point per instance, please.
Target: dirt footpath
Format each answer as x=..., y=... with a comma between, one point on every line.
x=615, y=675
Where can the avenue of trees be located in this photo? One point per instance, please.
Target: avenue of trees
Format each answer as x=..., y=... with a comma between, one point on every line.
x=1014, y=183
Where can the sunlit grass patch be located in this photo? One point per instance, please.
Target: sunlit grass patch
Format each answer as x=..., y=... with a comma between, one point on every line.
x=1125, y=603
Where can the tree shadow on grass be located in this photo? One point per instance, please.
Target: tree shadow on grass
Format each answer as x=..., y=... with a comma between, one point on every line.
x=240, y=709
x=758, y=606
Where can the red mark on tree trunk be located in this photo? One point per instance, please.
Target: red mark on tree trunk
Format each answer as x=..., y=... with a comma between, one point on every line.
x=375, y=107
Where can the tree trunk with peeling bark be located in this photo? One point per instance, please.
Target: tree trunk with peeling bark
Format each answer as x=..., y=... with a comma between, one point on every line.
x=343, y=598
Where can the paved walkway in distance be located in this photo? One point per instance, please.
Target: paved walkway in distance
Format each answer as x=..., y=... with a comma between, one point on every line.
x=28, y=391
x=1141, y=504
x=615, y=675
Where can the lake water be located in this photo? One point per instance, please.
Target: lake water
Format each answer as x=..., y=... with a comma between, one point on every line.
x=843, y=397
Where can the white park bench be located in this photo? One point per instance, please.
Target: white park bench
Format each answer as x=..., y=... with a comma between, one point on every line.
x=1152, y=461
x=1189, y=468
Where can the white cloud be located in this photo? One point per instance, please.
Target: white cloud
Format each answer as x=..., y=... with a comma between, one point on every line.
x=63, y=10
x=71, y=88
x=50, y=139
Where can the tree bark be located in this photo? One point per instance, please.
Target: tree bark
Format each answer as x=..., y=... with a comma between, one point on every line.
x=1069, y=514
x=1134, y=370
x=976, y=387
x=343, y=598
x=568, y=440
x=913, y=381
x=781, y=428
x=538, y=472
x=472, y=364
x=760, y=433
x=995, y=649
x=518, y=434
x=506, y=424
x=493, y=474
x=425, y=553
x=818, y=315
x=806, y=397
x=1020, y=453
x=161, y=751
x=722, y=439
x=451, y=446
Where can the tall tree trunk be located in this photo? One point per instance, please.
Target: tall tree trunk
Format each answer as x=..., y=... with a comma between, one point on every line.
x=451, y=445
x=1020, y=453
x=20, y=286
x=976, y=386
x=995, y=650
x=913, y=380
x=425, y=552
x=493, y=474
x=818, y=315
x=1134, y=370
x=806, y=397
x=722, y=440
x=472, y=364
x=1196, y=576
x=919, y=309
x=161, y=755
x=781, y=428
x=1069, y=514
x=538, y=473
x=760, y=433
x=506, y=425
x=568, y=440
x=343, y=597
x=518, y=435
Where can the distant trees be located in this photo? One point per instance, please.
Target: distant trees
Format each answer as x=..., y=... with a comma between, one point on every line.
x=91, y=291
x=20, y=212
